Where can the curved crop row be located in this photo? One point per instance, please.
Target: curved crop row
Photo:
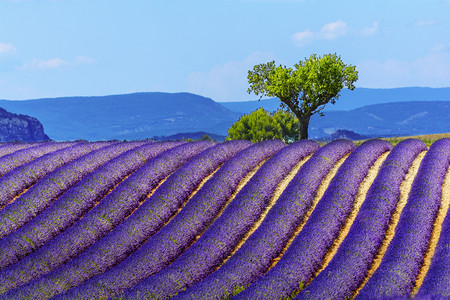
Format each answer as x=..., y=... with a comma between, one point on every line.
x=207, y=220
x=352, y=261
x=8, y=148
x=97, y=222
x=266, y=243
x=18, y=158
x=437, y=280
x=144, y=222
x=217, y=242
x=168, y=243
x=402, y=261
x=48, y=189
x=21, y=178
x=68, y=208
x=304, y=256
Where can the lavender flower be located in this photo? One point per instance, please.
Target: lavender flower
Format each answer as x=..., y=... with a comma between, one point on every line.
x=307, y=250
x=130, y=234
x=256, y=254
x=218, y=241
x=404, y=256
x=350, y=264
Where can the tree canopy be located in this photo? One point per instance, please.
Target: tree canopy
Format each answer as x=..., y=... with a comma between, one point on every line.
x=261, y=125
x=306, y=88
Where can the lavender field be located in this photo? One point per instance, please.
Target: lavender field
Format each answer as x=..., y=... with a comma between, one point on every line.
x=232, y=220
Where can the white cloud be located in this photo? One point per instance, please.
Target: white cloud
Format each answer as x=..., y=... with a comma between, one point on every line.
x=332, y=31
x=422, y=23
x=328, y=31
x=7, y=48
x=227, y=82
x=432, y=70
x=56, y=63
x=368, y=31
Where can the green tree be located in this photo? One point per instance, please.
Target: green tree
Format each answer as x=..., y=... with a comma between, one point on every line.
x=289, y=124
x=305, y=89
x=261, y=125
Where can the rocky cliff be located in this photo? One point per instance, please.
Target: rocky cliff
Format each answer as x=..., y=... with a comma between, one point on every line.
x=24, y=128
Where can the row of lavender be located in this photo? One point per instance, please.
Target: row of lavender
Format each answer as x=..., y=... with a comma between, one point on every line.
x=188, y=177
x=402, y=261
x=100, y=232
x=304, y=256
x=267, y=242
x=350, y=264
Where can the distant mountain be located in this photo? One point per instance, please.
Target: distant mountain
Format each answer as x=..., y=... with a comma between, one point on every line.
x=389, y=119
x=190, y=135
x=14, y=127
x=130, y=116
x=346, y=134
x=165, y=115
x=354, y=99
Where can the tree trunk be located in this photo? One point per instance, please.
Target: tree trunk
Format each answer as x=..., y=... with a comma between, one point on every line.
x=303, y=130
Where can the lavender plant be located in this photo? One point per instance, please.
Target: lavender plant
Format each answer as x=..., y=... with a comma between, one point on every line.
x=8, y=148
x=101, y=219
x=436, y=284
x=175, y=237
x=154, y=212
x=404, y=256
x=21, y=178
x=266, y=243
x=305, y=254
x=48, y=189
x=68, y=208
x=219, y=240
x=23, y=156
x=350, y=264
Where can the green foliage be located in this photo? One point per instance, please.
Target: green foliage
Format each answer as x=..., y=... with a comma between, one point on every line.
x=206, y=137
x=307, y=88
x=261, y=125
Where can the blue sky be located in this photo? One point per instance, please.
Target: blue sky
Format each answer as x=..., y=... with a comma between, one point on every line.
x=53, y=48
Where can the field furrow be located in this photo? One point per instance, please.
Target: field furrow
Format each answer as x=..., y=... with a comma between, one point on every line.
x=18, y=158
x=162, y=248
x=21, y=178
x=404, y=256
x=231, y=220
x=354, y=257
x=257, y=253
x=68, y=208
x=135, y=230
x=306, y=253
x=221, y=238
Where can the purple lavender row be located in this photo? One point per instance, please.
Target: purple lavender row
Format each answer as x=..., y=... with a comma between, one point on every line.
x=70, y=206
x=353, y=259
x=404, y=256
x=305, y=254
x=8, y=148
x=21, y=178
x=437, y=280
x=256, y=254
x=154, y=212
x=48, y=189
x=162, y=248
x=101, y=219
x=221, y=238
x=18, y=158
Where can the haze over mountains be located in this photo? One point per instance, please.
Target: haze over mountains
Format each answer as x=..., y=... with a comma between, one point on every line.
x=403, y=111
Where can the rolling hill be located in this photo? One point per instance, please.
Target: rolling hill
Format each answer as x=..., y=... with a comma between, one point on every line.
x=130, y=116
x=148, y=115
